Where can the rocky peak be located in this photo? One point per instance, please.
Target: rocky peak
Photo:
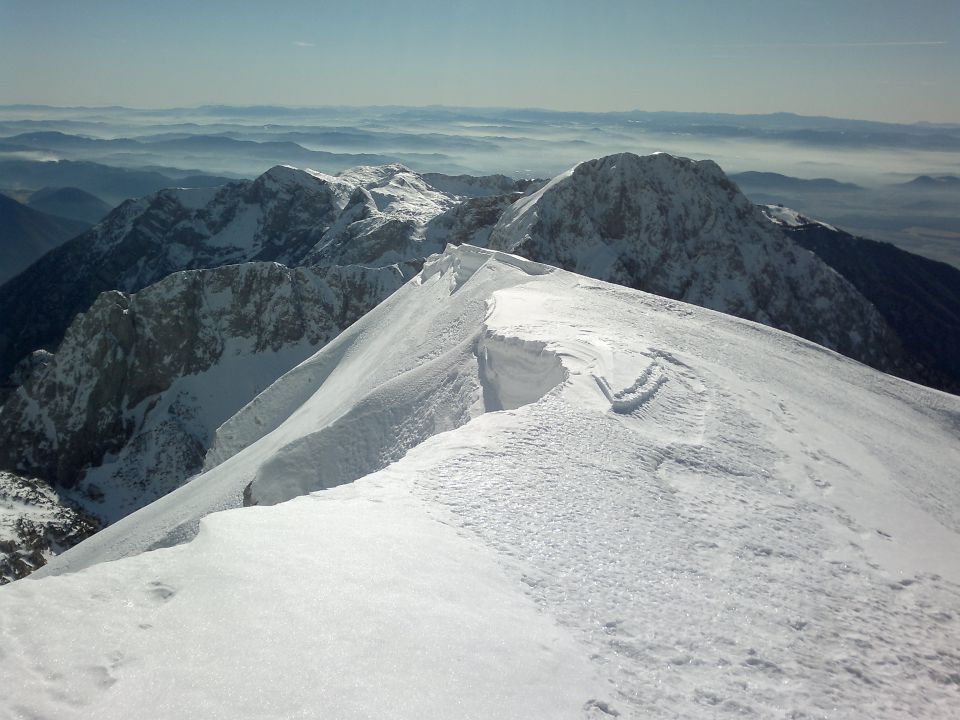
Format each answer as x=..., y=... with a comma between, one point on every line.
x=680, y=228
x=281, y=216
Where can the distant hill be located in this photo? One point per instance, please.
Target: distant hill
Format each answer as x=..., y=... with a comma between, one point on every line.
x=70, y=202
x=26, y=234
x=775, y=181
x=931, y=181
x=111, y=184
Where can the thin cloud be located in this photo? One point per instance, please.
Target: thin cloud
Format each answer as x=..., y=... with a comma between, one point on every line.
x=902, y=43
x=302, y=43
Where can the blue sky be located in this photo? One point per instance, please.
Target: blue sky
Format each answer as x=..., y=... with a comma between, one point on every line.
x=876, y=59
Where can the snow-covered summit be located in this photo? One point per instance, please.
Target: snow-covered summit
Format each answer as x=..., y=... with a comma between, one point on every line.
x=541, y=495
x=384, y=220
x=681, y=229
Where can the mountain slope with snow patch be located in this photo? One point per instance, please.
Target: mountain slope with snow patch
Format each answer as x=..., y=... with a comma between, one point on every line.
x=286, y=215
x=919, y=298
x=126, y=409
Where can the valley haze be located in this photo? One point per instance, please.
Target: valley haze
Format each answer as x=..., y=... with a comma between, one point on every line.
x=875, y=165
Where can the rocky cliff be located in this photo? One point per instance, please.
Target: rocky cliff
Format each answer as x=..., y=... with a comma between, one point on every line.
x=682, y=229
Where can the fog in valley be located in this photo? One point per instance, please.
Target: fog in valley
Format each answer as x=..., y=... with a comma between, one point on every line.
x=885, y=181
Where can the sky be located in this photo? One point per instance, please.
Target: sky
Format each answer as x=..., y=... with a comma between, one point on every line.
x=886, y=60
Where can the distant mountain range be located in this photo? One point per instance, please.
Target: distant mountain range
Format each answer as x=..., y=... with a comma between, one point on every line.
x=753, y=180
x=219, y=150
x=927, y=182
x=111, y=184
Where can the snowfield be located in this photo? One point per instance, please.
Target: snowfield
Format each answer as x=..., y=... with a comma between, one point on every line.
x=511, y=491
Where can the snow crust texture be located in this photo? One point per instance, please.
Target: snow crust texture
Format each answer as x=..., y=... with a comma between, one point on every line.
x=595, y=502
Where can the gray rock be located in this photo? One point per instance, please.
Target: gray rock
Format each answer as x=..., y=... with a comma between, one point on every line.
x=35, y=524
x=681, y=229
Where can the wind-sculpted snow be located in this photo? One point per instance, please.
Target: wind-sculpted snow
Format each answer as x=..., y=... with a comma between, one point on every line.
x=411, y=374
x=712, y=518
x=682, y=229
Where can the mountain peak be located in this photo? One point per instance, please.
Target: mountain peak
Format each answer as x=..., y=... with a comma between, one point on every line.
x=931, y=181
x=371, y=176
x=289, y=175
x=655, y=164
x=680, y=228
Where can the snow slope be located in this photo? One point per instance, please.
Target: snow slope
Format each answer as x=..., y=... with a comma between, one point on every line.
x=571, y=499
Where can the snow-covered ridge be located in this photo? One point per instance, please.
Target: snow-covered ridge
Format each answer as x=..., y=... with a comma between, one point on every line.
x=661, y=223
x=475, y=187
x=682, y=512
x=131, y=420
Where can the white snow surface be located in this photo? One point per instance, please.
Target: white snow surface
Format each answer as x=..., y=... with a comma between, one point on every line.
x=784, y=216
x=571, y=499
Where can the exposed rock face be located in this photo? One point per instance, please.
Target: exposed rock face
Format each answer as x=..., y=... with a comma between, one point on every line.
x=286, y=215
x=919, y=298
x=143, y=380
x=35, y=524
x=681, y=229
x=470, y=222
x=470, y=186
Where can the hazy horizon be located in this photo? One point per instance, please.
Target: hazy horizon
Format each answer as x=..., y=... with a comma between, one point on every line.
x=863, y=59
x=442, y=106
